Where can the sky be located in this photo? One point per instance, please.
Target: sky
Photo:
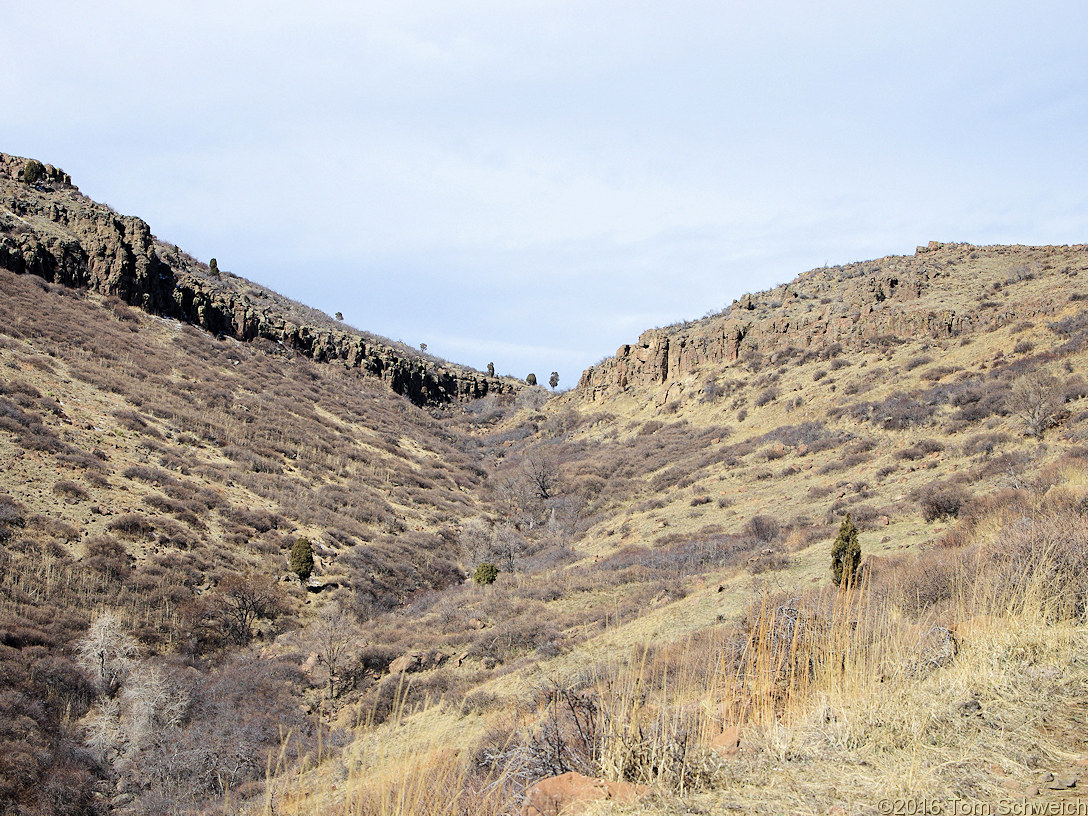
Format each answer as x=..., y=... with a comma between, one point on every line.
x=534, y=183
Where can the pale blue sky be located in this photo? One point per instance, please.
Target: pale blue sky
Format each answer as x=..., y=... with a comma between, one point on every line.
x=535, y=183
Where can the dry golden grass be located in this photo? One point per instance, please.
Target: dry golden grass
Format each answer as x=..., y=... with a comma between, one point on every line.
x=629, y=598
x=843, y=699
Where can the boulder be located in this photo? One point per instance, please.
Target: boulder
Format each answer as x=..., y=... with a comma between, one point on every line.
x=570, y=793
x=936, y=648
x=417, y=662
x=727, y=743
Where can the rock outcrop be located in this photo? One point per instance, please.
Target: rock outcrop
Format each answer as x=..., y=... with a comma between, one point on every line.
x=49, y=229
x=417, y=661
x=571, y=793
x=943, y=291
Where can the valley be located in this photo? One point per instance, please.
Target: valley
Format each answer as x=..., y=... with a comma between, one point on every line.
x=662, y=615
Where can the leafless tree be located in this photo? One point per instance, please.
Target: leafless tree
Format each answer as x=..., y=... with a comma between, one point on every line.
x=335, y=636
x=515, y=498
x=105, y=735
x=243, y=600
x=108, y=653
x=138, y=704
x=499, y=544
x=474, y=540
x=1037, y=399
x=531, y=398
x=150, y=704
x=542, y=474
x=506, y=545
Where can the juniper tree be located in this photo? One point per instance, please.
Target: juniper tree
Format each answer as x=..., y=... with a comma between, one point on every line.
x=33, y=171
x=301, y=561
x=486, y=573
x=531, y=379
x=553, y=380
x=846, y=554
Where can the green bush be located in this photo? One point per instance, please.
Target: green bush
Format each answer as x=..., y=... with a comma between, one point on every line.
x=301, y=560
x=33, y=171
x=486, y=573
x=846, y=554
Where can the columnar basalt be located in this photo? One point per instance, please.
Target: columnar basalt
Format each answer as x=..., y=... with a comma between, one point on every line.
x=49, y=229
x=937, y=293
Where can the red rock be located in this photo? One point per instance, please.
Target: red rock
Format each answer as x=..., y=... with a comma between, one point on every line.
x=569, y=793
x=727, y=743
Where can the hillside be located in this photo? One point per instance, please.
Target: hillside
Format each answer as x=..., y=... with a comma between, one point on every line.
x=51, y=230
x=943, y=292
x=664, y=613
x=851, y=388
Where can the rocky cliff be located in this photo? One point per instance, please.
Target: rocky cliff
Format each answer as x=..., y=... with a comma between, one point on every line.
x=942, y=291
x=48, y=228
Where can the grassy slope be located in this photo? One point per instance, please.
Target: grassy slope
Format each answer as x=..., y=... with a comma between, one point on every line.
x=650, y=517
x=144, y=464
x=655, y=457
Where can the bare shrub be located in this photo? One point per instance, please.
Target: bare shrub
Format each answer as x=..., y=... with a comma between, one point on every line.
x=108, y=653
x=12, y=514
x=132, y=526
x=1071, y=325
x=1037, y=398
x=920, y=449
x=532, y=398
x=108, y=557
x=898, y=412
x=984, y=444
x=763, y=529
x=1048, y=556
x=934, y=580
x=1023, y=347
x=940, y=500
x=682, y=556
x=766, y=397
x=768, y=559
x=243, y=601
x=71, y=492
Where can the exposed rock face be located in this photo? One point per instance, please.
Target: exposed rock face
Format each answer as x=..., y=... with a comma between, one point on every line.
x=943, y=291
x=417, y=662
x=51, y=230
x=571, y=793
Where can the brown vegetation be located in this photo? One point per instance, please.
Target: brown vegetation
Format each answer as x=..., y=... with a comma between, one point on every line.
x=160, y=655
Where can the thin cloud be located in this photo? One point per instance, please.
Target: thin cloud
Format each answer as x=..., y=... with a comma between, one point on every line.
x=549, y=179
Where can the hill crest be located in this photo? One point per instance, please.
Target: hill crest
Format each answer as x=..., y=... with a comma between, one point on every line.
x=49, y=229
x=944, y=290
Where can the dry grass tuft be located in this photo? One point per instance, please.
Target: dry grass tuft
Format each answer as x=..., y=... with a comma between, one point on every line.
x=948, y=678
